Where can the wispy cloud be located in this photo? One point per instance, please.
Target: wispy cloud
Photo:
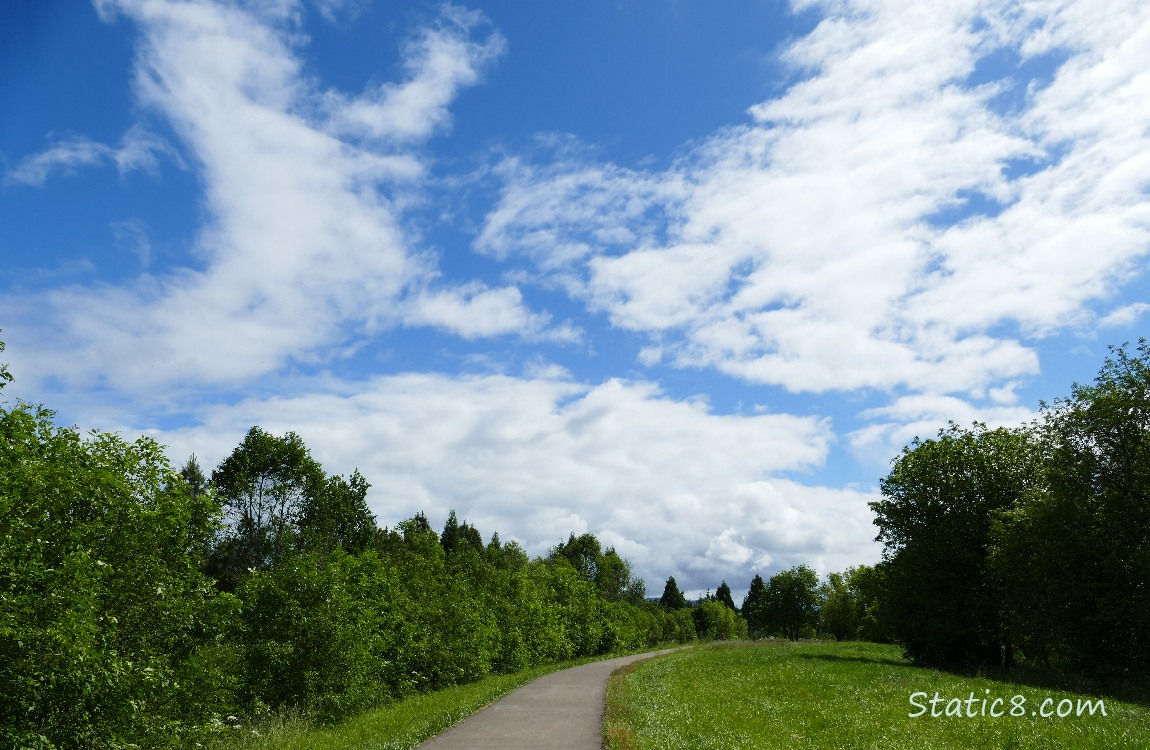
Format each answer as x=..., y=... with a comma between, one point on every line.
x=804, y=249
x=439, y=61
x=306, y=192
x=139, y=150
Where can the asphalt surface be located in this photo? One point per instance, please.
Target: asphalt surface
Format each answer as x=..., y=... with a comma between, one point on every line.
x=559, y=711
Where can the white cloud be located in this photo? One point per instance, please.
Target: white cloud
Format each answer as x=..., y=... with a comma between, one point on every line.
x=808, y=249
x=138, y=151
x=1124, y=316
x=305, y=245
x=475, y=311
x=678, y=489
x=439, y=62
x=923, y=415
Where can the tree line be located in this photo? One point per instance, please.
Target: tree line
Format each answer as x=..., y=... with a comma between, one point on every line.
x=141, y=605
x=145, y=606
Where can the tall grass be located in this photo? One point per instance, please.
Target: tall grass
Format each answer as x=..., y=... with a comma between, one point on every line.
x=841, y=696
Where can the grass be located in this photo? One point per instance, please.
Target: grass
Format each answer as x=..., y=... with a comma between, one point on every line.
x=840, y=696
x=397, y=726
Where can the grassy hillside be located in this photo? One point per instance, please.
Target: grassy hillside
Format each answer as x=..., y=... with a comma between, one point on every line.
x=847, y=695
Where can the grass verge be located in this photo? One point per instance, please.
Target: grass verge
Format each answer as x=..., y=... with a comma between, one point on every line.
x=844, y=696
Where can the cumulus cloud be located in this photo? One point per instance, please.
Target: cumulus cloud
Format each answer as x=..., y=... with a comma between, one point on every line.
x=679, y=489
x=891, y=220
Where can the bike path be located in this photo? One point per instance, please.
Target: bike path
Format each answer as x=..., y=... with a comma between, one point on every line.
x=559, y=711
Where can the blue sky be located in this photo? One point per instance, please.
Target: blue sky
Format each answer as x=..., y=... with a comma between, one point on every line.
x=681, y=275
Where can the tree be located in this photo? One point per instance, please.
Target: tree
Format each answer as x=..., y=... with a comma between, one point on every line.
x=5, y=376
x=943, y=599
x=716, y=621
x=672, y=598
x=1075, y=557
x=106, y=621
x=723, y=595
x=584, y=553
x=791, y=602
x=337, y=517
x=754, y=604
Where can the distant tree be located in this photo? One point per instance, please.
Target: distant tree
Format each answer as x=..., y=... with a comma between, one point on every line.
x=839, y=614
x=672, y=598
x=470, y=538
x=753, y=609
x=193, y=475
x=867, y=584
x=449, y=537
x=264, y=487
x=723, y=595
x=584, y=553
x=791, y=602
x=716, y=621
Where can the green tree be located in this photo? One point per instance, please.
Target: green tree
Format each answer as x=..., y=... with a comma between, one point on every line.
x=754, y=607
x=935, y=520
x=842, y=608
x=337, y=516
x=723, y=595
x=716, y=621
x=791, y=602
x=5, y=376
x=107, y=625
x=584, y=553
x=1075, y=557
x=264, y=486
x=672, y=598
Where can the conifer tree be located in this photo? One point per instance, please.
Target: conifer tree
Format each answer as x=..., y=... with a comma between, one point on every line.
x=672, y=598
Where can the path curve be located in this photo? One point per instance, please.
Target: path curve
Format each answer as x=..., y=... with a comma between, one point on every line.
x=559, y=711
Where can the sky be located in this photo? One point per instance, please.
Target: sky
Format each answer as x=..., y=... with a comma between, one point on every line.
x=684, y=275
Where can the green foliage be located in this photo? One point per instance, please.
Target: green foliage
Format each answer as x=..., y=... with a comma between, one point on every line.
x=1033, y=541
x=264, y=486
x=850, y=605
x=116, y=631
x=672, y=598
x=935, y=522
x=753, y=609
x=108, y=630
x=723, y=595
x=790, y=604
x=716, y=621
x=1075, y=557
x=337, y=517
x=325, y=634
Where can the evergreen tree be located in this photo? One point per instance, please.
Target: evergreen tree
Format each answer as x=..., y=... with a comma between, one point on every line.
x=723, y=595
x=449, y=538
x=754, y=607
x=672, y=598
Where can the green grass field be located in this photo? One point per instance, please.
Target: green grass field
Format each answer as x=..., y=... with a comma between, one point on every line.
x=845, y=695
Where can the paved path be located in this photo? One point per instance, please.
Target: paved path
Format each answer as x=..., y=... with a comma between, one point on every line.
x=559, y=711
